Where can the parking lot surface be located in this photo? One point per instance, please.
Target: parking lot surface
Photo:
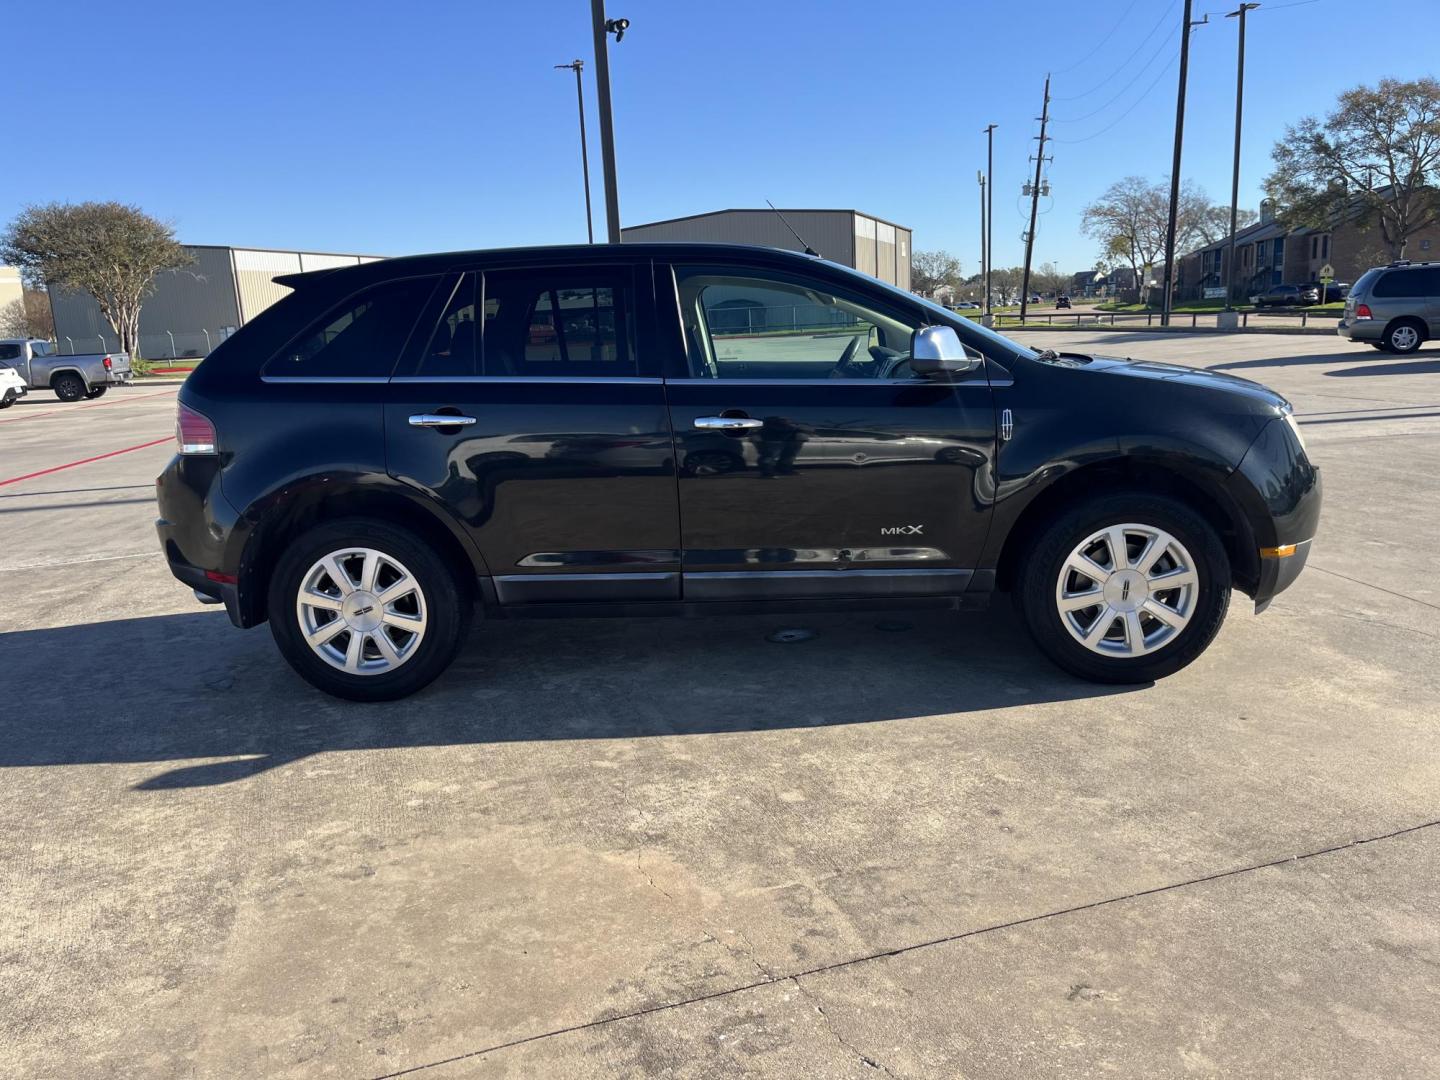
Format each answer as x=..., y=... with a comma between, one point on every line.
x=672, y=848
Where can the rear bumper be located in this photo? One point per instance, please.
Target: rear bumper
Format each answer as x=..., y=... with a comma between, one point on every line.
x=195, y=526
x=225, y=592
x=1366, y=330
x=118, y=378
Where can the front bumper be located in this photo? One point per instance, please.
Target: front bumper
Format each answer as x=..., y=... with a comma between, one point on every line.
x=1278, y=573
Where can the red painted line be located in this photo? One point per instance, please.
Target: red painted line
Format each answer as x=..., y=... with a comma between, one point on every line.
x=85, y=461
x=92, y=405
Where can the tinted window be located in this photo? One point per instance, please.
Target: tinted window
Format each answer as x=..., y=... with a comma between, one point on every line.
x=1422, y=281
x=452, y=347
x=740, y=325
x=9, y=352
x=561, y=325
x=360, y=338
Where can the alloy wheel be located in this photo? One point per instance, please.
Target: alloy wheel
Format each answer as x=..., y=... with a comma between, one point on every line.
x=361, y=611
x=1404, y=338
x=1127, y=590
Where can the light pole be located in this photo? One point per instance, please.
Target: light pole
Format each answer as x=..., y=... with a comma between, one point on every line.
x=984, y=255
x=1235, y=174
x=578, y=66
x=1185, y=27
x=603, y=27
x=989, y=209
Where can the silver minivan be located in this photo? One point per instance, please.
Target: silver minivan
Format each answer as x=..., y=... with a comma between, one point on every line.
x=1394, y=307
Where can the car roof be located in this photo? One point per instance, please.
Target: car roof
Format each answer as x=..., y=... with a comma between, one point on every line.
x=440, y=262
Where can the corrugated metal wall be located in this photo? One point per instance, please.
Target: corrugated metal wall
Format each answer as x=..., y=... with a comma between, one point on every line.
x=827, y=231
x=224, y=287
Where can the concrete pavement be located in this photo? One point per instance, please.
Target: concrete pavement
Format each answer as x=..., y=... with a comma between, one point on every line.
x=628, y=848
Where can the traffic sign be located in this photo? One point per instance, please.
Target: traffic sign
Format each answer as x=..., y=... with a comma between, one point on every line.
x=1327, y=273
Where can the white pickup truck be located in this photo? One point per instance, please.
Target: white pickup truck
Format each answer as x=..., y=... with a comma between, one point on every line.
x=73, y=378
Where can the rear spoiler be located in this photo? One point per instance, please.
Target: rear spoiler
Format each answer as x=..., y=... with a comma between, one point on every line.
x=309, y=277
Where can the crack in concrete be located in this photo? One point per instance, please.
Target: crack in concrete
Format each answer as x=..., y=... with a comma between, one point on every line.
x=865, y=1059
x=886, y=954
x=1369, y=585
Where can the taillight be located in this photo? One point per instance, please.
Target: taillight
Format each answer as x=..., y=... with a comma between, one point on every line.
x=194, y=432
x=107, y=363
x=1362, y=311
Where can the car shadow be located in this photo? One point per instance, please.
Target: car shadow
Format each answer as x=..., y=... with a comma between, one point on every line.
x=1429, y=366
x=190, y=689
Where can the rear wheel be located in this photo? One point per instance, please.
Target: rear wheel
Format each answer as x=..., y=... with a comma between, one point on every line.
x=1127, y=588
x=1404, y=336
x=367, y=611
x=68, y=386
x=96, y=391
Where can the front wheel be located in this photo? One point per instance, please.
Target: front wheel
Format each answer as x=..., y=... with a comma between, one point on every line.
x=1127, y=588
x=8, y=400
x=68, y=386
x=367, y=611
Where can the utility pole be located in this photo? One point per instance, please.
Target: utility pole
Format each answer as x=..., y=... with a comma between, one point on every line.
x=603, y=27
x=988, y=225
x=1235, y=174
x=578, y=66
x=980, y=178
x=1035, y=198
x=1185, y=27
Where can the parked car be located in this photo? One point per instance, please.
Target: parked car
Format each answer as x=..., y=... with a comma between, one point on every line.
x=1062, y=301
x=1394, y=307
x=1335, y=291
x=368, y=463
x=967, y=305
x=1287, y=296
x=12, y=386
x=73, y=378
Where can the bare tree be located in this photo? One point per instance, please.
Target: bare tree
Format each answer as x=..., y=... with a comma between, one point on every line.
x=109, y=250
x=1377, y=156
x=1007, y=280
x=28, y=317
x=929, y=270
x=1130, y=220
x=1048, y=279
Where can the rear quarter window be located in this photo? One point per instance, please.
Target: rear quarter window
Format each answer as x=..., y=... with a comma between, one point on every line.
x=362, y=337
x=1420, y=281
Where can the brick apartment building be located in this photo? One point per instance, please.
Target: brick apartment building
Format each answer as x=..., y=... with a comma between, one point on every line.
x=1267, y=253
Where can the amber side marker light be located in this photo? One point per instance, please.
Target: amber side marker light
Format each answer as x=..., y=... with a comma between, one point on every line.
x=1284, y=551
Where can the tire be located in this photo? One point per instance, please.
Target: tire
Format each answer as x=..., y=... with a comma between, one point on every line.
x=441, y=599
x=68, y=387
x=96, y=391
x=1404, y=336
x=9, y=399
x=1164, y=646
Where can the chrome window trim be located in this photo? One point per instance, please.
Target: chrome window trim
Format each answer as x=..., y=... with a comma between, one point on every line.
x=325, y=378
x=631, y=380
x=691, y=381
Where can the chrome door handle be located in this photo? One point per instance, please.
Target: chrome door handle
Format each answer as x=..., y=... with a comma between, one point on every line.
x=727, y=423
x=440, y=420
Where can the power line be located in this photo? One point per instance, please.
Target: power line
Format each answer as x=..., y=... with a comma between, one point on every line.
x=1133, y=106
x=1125, y=63
x=1164, y=47
x=1118, y=23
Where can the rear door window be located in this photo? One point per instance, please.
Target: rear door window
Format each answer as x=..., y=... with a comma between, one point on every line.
x=558, y=324
x=9, y=351
x=359, y=338
x=453, y=347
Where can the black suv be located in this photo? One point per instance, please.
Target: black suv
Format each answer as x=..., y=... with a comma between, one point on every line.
x=688, y=429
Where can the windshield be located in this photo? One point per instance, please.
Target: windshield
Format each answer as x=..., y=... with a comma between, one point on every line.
x=980, y=335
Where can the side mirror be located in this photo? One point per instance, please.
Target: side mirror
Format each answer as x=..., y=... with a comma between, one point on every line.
x=937, y=349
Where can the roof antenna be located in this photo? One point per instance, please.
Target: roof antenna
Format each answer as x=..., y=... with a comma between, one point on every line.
x=808, y=249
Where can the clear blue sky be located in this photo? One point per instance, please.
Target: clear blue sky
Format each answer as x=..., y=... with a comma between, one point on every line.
x=392, y=128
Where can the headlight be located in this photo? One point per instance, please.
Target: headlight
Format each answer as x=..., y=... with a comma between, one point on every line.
x=1295, y=430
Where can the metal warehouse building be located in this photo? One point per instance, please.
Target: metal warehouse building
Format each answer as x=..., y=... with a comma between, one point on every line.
x=194, y=309
x=869, y=244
